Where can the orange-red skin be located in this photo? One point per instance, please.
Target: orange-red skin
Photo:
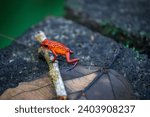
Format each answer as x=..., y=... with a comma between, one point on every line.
x=58, y=48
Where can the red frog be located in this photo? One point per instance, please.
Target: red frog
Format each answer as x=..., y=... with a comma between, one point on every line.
x=59, y=49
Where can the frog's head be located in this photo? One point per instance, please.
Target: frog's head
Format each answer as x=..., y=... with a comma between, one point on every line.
x=40, y=36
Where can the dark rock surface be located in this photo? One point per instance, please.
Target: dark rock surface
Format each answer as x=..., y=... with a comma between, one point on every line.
x=20, y=62
x=126, y=21
x=130, y=15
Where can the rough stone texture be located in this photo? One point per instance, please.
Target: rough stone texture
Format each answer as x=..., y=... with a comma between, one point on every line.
x=126, y=21
x=130, y=15
x=19, y=62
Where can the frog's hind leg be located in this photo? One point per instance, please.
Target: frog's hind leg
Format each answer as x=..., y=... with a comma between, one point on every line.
x=72, y=61
x=71, y=52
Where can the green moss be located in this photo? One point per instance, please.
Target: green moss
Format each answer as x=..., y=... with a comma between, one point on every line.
x=129, y=40
x=110, y=29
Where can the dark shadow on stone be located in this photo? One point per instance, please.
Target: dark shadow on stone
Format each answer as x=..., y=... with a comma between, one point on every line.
x=125, y=21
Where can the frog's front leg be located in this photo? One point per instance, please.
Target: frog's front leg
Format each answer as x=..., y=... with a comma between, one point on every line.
x=55, y=56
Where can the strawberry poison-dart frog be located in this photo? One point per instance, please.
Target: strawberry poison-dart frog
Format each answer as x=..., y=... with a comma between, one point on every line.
x=56, y=48
x=59, y=49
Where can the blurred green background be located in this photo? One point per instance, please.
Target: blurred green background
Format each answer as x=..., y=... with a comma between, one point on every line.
x=18, y=15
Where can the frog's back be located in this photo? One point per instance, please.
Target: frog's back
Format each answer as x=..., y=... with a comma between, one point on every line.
x=59, y=48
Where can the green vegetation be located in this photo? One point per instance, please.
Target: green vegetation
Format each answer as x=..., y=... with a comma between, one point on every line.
x=129, y=40
x=18, y=15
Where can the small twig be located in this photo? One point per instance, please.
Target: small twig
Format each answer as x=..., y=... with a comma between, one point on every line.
x=54, y=72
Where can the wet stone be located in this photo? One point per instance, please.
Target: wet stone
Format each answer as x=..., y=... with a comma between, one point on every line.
x=130, y=15
x=20, y=61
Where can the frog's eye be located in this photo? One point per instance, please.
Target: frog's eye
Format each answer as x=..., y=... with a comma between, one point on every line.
x=46, y=46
